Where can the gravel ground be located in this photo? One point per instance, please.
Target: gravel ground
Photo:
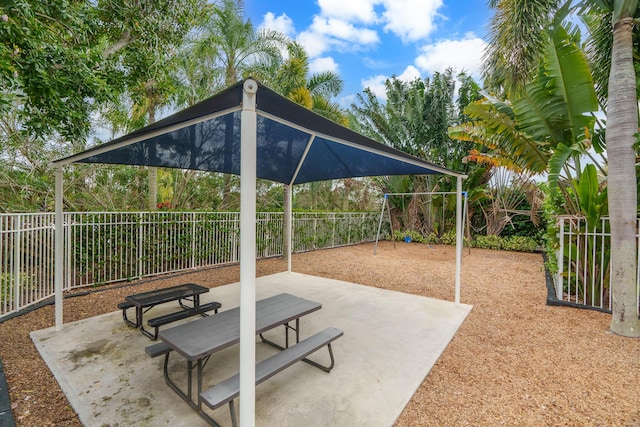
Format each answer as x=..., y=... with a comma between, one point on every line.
x=514, y=361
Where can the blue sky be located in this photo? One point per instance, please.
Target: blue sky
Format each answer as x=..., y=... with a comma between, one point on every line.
x=367, y=41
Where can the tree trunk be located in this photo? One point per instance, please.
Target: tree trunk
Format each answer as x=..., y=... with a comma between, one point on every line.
x=622, y=125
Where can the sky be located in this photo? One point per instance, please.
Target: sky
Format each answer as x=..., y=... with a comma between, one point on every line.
x=368, y=41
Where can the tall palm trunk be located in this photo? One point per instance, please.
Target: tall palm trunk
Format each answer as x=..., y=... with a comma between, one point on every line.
x=622, y=125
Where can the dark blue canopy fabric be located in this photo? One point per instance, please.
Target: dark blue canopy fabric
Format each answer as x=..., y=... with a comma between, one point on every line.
x=294, y=145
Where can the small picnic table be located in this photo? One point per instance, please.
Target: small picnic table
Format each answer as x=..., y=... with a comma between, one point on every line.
x=145, y=301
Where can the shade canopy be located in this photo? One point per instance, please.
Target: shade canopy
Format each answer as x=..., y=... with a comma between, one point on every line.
x=294, y=144
x=280, y=141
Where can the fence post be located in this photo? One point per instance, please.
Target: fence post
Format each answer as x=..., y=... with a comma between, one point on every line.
x=140, y=251
x=315, y=231
x=193, y=240
x=66, y=225
x=334, y=226
x=16, y=261
x=560, y=259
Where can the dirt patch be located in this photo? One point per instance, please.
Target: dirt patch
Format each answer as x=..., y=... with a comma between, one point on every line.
x=514, y=361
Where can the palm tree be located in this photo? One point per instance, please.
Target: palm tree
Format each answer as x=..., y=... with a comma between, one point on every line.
x=516, y=41
x=313, y=91
x=233, y=49
x=622, y=126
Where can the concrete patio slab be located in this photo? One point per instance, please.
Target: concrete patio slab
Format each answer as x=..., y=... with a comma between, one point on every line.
x=391, y=340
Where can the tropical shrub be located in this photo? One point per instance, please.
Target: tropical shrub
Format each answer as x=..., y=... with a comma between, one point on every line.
x=520, y=244
x=488, y=242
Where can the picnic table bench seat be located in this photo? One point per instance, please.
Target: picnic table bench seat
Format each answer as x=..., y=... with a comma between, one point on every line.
x=229, y=389
x=157, y=349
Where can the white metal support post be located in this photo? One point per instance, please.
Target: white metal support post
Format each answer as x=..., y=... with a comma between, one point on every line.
x=458, y=236
x=58, y=256
x=248, y=151
x=289, y=222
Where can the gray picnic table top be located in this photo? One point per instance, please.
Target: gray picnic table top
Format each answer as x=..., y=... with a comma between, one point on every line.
x=205, y=336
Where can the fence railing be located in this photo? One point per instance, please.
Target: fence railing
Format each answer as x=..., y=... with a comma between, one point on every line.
x=106, y=247
x=583, y=258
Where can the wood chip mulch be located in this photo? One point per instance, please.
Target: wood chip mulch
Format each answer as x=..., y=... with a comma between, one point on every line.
x=514, y=360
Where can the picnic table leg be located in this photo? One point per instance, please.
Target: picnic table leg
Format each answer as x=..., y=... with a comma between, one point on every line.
x=199, y=384
x=126, y=319
x=195, y=302
x=171, y=384
x=201, y=412
x=232, y=409
x=139, y=316
x=188, y=396
x=286, y=336
x=147, y=333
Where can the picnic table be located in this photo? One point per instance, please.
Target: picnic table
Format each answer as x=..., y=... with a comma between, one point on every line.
x=198, y=340
x=145, y=301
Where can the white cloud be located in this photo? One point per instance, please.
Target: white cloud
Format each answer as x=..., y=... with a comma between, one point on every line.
x=346, y=101
x=319, y=65
x=376, y=84
x=411, y=20
x=463, y=55
x=334, y=33
x=344, y=30
x=353, y=25
x=409, y=74
x=282, y=23
x=315, y=44
x=350, y=10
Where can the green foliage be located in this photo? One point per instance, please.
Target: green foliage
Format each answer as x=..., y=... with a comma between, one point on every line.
x=516, y=39
x=6, y=286
x=26, y=284
x=228, y=48
x=415, y=119
x=61, y=60
x=449, y=238
x=416, y=116
x=411, y=234
x=314, y=91
x=510, y=243
x=488, y=242
x=593, y=200
x=543, y=126
x=50, y=65
x=551, y=208
x=520, y=244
